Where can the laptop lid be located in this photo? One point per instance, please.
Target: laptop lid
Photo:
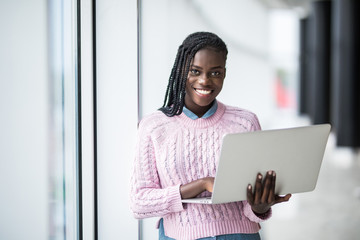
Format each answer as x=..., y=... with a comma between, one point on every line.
x=294, y=153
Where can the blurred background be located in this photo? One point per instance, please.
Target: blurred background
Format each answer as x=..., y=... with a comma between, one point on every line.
x=77, y=76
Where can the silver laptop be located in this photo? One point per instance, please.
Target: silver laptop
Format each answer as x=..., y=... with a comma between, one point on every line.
x=295, y=154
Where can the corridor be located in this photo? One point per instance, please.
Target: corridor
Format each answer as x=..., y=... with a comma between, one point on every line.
x=331, y=211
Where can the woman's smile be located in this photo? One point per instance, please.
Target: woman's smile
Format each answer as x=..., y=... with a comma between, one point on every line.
x=203, y=92
x=205, y=80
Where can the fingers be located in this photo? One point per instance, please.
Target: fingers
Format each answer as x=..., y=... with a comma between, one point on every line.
x=267, y=187
x=264, y=190
x=279, y=199
x=258, y=189
x=271, y=197
x=263, y=196
x=267, y=192
x=250, y=196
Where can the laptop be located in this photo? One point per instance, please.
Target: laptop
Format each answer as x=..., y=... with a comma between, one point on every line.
x=295, y=154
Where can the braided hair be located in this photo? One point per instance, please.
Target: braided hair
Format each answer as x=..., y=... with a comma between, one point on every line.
x=175, y=93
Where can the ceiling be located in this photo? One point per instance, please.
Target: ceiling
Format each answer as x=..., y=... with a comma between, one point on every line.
x=287, y=3
x=302, y=7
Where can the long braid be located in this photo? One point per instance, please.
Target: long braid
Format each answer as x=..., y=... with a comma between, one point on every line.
x=175, y=92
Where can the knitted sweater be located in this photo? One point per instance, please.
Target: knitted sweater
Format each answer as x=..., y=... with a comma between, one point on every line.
x=172, y=151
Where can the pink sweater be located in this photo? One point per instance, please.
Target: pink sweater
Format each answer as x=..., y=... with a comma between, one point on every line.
x=172, y=151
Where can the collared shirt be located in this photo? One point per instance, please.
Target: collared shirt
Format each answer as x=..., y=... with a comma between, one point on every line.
x=208, y=114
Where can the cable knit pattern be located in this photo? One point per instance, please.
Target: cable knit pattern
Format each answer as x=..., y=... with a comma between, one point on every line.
x=172, y=151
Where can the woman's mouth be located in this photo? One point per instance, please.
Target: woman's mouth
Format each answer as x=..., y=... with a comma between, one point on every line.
x=203, y=91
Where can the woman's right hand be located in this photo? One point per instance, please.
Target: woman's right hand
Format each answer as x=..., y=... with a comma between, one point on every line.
x=209, y=183
x=194, y=188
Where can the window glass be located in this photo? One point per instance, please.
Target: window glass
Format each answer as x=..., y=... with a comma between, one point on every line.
x=63, y=185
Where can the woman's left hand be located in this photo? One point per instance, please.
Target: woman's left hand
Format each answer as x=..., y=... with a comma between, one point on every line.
x=263, y=197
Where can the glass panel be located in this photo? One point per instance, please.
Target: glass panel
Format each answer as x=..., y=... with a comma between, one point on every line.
x=63, y=153
x=116, y=48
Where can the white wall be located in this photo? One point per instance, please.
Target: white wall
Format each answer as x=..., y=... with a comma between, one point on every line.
x=117, y=115
x=243, y=25
x=24, y=110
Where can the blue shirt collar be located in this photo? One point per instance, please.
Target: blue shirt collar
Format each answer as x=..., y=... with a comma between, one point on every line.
x=208, y=114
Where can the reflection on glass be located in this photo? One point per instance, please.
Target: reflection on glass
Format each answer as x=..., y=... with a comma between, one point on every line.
x=62, y=152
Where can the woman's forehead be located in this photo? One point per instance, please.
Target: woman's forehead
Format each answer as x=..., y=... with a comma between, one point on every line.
x=210, y=56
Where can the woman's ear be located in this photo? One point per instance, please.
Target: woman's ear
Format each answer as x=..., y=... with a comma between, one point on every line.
x=225, y=73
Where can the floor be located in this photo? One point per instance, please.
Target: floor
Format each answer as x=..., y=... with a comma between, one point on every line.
x=331, y=211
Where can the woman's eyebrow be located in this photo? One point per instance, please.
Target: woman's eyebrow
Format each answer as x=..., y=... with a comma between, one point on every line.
x=194, y=66
x=217, y=67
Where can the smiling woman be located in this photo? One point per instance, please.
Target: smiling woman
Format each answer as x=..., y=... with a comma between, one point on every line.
x=201, y=58
x=205, y=80
x=178, y=148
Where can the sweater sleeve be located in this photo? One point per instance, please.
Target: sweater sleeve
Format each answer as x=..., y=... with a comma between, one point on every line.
x=255, y=123
x=147, y=197
x=248, y=212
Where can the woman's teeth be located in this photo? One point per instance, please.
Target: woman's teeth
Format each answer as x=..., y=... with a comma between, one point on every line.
x=202, y=91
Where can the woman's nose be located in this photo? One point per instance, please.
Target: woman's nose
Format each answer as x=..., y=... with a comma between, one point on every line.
x=203, y=79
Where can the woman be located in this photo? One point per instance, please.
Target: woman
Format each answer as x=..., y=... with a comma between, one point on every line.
x=178, y=147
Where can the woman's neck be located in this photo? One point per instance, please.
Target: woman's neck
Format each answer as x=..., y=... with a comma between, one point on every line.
x=199, y=110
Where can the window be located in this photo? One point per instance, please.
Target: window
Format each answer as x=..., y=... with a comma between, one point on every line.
x=64, y=148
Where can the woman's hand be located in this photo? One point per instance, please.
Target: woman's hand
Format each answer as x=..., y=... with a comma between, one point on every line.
x=264, y=196
x=196, y=187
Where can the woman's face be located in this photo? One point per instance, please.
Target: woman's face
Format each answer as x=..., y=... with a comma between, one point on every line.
x=205, y=80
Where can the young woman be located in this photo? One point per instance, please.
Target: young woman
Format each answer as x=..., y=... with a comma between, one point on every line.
x=178, y=147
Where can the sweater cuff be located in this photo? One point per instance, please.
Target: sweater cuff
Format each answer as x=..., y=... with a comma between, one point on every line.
x=253, y=217
x=174, y=197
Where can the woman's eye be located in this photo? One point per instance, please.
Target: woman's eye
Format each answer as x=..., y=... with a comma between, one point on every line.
x=194, y=71
x=215, y=73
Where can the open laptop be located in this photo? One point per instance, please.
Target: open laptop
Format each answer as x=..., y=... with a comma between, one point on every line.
x=295, y=154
